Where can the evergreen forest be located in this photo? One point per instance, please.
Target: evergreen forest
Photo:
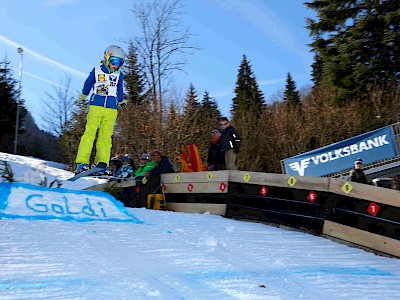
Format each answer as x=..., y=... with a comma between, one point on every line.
x=355, y=89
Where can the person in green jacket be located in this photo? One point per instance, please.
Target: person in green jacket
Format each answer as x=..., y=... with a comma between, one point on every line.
x=145, y=165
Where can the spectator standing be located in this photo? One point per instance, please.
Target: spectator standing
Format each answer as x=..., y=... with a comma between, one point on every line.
x=230, y=143
x=216, y=155
x=357, y=174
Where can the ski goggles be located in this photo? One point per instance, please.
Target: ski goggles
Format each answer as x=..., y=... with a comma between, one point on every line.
x=116, y=61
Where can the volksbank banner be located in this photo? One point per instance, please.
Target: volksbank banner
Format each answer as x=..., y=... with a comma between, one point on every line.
x=370, y=147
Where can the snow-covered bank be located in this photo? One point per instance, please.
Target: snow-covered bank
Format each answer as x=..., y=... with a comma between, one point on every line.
x=34, y=171
x=180, y=256
x=184, y=256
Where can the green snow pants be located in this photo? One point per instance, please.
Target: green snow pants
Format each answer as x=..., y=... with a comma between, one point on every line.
x=104, y=118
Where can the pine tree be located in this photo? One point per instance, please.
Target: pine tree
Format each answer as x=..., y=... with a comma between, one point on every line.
x=175, y=131
x=317, y=69
x=248, y=95
x=209, y=108
x=133, y=78
x=192, y=104
x=357, y=42
x=9, y=96
x=248, y=105
x=133, y=133
x=291, y=95
x=210, y=114
x=135, y=130
x=192, y=117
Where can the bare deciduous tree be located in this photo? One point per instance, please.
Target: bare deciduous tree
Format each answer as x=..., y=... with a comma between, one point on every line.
x=57, y=108
x=162, y=45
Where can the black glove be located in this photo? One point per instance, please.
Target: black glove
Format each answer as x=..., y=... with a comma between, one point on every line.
x=236, y=150
x=123, y=104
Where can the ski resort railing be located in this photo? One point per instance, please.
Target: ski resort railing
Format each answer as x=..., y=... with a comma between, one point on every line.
x=361, y=214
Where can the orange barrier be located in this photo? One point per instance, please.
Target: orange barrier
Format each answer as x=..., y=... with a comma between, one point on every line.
x=193, y=162
x=186, y=166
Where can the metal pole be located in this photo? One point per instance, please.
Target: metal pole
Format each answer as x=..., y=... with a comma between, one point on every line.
x=20, y=50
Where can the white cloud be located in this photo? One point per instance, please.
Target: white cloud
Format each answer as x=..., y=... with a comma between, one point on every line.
x=43, y=58
x=260, y=16
x=49, y=82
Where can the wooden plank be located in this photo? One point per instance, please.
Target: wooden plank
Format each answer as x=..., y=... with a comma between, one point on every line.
x=197, y=187
x=363, y=238
x=100, y=187
x=200, y=208
x=97, y=187
x=367, y=192
x=258, y=178
x=195, y=177
x=280, y=180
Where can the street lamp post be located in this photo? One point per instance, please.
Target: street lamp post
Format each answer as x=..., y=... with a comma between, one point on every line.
x=20, y=50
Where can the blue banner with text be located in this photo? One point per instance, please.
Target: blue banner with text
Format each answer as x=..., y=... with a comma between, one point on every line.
x=370, y=147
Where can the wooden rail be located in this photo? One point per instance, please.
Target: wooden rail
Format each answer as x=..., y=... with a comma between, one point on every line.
x=361, y=214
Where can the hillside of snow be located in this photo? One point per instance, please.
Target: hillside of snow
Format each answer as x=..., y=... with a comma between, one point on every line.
x=146, y=254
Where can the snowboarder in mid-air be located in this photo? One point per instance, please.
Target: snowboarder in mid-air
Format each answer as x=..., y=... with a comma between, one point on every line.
x=106, y=81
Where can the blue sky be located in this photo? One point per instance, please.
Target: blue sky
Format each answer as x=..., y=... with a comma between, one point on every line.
x=67, y=38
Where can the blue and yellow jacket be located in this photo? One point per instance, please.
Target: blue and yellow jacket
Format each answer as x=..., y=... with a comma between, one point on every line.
x=107, y=87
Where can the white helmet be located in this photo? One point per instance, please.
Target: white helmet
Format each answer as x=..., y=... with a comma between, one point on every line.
x=115, y=55
x=114, y=50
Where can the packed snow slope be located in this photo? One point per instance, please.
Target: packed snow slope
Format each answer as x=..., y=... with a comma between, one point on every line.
x=170, y=255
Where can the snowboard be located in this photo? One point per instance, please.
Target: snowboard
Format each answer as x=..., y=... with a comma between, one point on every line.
x=100, y=167
x=114, y=177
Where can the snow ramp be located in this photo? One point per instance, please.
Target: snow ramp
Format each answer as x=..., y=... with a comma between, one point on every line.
x=25, y=201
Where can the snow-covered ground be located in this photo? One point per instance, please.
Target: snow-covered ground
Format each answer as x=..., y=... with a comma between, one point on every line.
x=34, y=171
x=177, y=256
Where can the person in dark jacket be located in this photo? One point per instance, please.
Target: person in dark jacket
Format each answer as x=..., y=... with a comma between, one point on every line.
x=152, y=184
x=216, y=155
x=114, y=166
x=357, y=174
x=230, y=143
x=163, y=164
